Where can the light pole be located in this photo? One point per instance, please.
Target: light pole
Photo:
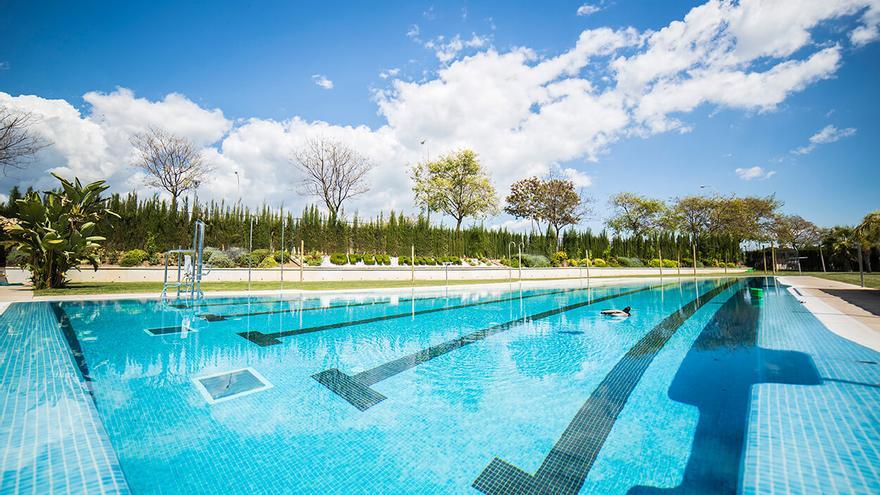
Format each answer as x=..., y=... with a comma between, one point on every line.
x=237, y=186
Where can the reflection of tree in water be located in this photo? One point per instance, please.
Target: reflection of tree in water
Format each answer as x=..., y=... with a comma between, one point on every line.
x=716, y=376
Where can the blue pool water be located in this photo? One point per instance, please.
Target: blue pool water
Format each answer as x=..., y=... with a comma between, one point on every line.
x=702, y=390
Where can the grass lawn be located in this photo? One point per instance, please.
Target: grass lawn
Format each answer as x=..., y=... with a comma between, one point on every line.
x=871, y=279
x=156, y=287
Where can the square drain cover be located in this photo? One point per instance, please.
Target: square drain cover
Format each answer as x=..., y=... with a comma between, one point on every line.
x=226, y=385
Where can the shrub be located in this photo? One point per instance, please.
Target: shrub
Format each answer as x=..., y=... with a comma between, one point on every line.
x=219, y=259
x=612, y=262
x=355, y=258
x=452, y=260
x=16, y=258
x=282, y=256
x=268, y=262
x=339, y=259
x=511, y=262
x=314, y=260
x=586, y=262
x=369, y=259
x=667, y=263
x=559, y=258
x=155, y=259
x=253, y=258
x=403, y=260
x=535, y=261
x=206, y=253
x=430, y=261
x=599, y=263
x=383, y=259
x=630, y=262
x=730, y=264
x=135, y=257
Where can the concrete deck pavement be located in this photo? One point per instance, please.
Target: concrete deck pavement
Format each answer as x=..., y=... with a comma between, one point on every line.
x=848, y=310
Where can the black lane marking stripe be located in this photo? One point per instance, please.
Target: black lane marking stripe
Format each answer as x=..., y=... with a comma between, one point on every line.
x=267, y=339
x=565, y=468
x=212, y=317
x=356, y=388
x=72, y=342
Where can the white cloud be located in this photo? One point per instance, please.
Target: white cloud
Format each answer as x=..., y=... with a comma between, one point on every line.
x=577, y=177
x=524, y=114
x=447, y=50
x=587, y=9
x=870, y=29
x=322, y=81
x=385, y=74
x=754, y=173
x=827, y=134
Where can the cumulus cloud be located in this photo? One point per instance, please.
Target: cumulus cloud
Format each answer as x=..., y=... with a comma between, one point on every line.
x=587, y=9
x=578, y=178
x=393, y=72
x=322, y=81
x=827, y=134
x=524, y=114
x=447, y=50
x=754, y=173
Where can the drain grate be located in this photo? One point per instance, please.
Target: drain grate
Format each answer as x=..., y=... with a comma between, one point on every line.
x=227, y=385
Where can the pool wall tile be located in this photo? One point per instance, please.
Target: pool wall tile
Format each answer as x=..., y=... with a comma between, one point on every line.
x=814, y=439
x=53, y=440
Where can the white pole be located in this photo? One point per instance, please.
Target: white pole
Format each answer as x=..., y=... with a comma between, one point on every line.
x=302, y=258
x=250, y=252
x=520, y=261
x=283, y=224
x=412, y=263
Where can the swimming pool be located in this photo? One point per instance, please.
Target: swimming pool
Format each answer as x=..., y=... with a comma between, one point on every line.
x=515, y=390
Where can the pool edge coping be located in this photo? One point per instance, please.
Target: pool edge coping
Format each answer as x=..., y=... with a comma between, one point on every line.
x=835, y=320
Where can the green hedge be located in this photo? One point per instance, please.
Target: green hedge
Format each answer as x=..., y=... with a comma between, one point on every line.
x=268, y=262
x=339, y=259
x=535, y=261
x=135, y=257
x=630, y=262
x=219, y=259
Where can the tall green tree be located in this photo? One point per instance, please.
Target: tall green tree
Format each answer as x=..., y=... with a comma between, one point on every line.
x=634, y=215
x=55, y=230
x=455, y=184
x=554, y=201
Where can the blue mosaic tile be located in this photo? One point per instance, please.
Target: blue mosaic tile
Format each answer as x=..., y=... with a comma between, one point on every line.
x=52, y=439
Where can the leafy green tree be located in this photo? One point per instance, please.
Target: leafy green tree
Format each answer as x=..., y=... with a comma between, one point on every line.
x=635, y=215
x=554, y=201
x=524, y=199
x=55, y=230
x=869, y=229
x=455, y=184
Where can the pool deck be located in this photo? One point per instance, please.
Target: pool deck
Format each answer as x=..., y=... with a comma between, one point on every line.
x=848, y=310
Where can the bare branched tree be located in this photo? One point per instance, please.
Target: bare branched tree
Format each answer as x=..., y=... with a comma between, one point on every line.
x=18, y=142
x=170, y=162
x=332, y=171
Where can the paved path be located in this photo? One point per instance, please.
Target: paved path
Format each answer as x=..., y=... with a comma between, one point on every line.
x=850, y=311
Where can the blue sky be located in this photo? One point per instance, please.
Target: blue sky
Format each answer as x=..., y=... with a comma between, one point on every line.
x=258, y=65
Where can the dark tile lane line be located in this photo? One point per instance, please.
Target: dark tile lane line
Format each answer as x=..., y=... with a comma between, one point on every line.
x=565, y=468
x=356, y=388
x=267, y=339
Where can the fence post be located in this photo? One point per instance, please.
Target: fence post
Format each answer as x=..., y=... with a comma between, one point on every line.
x=302, y=257
x=412, y=263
